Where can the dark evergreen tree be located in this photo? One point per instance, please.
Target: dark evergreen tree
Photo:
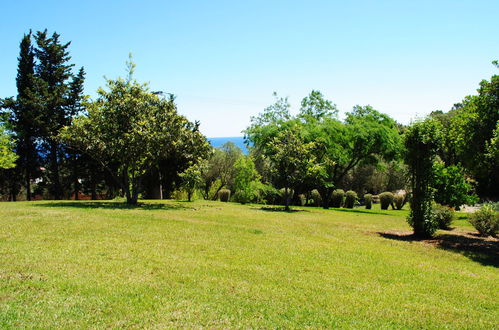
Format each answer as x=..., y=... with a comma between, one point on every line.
x=60, y=96
x=24, y=119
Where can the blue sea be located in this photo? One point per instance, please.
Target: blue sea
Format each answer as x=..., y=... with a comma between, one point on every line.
x=237, y=140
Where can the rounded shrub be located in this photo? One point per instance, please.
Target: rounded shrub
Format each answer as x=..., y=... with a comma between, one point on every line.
x=486, y=220
x=443, y=215
x=386, y=199
x=302, y=199
x=399, y=201
x=368, y=200
x=337, y=198
x=316, y=197
x=350, y=199
x=241, y=196
x=224, y=195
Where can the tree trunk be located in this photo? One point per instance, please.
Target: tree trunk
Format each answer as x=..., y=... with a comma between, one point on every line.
x=28, y=184
x=215, y=195
x=75, y=178
x=28, y=171
x=156, y=191
x=287, y=194
x=326, y=197
x=56, y=182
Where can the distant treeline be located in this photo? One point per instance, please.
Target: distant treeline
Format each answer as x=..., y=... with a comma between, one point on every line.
x=132, y=142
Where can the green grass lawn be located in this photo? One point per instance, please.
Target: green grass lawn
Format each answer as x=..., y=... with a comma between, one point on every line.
x=213, y=264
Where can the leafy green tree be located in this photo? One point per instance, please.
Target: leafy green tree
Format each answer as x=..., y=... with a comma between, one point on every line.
x=315, y=107
x=191, y=178
x=365, y=137
x=130, y=127
x=219, y=169
x=7, y=155
x=473, y=131
x=246, y=180
x=422, y=141
x=451, y=187
x=292, y=160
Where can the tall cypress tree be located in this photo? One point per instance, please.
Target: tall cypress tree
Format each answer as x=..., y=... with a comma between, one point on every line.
x=54, y=72
x=24, y=117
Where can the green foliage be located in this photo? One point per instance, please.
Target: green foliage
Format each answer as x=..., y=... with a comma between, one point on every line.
x=422, y=141
x=474, y=134
x=132, y=128
x=444, y=215
x=219, y=171
x=246, y=180
x=224, y=195
x=350, y=199
x=486, y=220
x=337, y=147
x=368, y=200
x=191, y=179
x=315, y=107
x=451, y=187
x=302, y=199
x=7, y=156
x=267, y=194
x=49, y=94
x=365, y=137
x=399, y=201
x=291, y=160
x=316, y=197
x=337, y=198
x=386, y=199
x=285, y=194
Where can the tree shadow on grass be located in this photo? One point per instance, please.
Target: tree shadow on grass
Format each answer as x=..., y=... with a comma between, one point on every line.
x=361, y=211
x=117, y=206
x=482, y=250
x=279, y=209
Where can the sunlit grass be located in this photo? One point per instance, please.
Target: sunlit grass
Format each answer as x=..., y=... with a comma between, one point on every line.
x=213, y=264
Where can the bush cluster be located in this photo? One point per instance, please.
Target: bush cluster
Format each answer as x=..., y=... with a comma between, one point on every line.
x=224, y=195
x=316, y=197
x=399, y=201
x=337, y=198
x=486, y=220
x=443, y=215
x=350, y=199
x=386, y=199
x=368, y=200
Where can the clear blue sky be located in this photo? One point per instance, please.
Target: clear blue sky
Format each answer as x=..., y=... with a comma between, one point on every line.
x=223, y=59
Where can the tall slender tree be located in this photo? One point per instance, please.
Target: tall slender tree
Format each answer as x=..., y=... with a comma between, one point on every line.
x=57, y=88
x=24, y=115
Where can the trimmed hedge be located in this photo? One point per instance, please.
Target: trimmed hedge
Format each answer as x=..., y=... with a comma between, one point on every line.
x=316, y=197
x=224, y=195
x=386, y=199
x=399, y=201
x=337, y=198
x=350, y=199
x=368, y=200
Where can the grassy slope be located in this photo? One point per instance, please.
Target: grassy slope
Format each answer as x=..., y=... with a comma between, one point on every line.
x=218, y=265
